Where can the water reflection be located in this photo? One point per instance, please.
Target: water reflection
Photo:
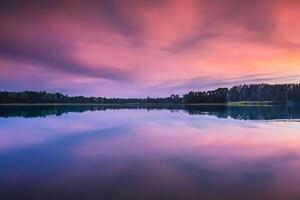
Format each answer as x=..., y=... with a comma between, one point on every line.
x=282, y=112
x=155, y=154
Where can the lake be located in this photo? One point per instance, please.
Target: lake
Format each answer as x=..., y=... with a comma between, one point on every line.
x=153, y=152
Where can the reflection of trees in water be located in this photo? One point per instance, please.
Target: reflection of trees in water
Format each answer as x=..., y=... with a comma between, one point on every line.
x=45, y=110
x=235, y=112
x=250, y=112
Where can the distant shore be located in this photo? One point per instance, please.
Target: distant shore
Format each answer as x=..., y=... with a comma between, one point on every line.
x=240, y=103
x=240, y=95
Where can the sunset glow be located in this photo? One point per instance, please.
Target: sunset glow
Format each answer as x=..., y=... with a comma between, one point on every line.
x=136, y=48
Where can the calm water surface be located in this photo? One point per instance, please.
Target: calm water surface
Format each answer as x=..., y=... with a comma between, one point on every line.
x=69, y=152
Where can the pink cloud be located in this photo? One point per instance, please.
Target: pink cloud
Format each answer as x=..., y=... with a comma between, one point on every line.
x=144, y=44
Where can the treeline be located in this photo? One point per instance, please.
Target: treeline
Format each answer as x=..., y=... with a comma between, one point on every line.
x=43, y=97
x=215, y=96
x=252, y=92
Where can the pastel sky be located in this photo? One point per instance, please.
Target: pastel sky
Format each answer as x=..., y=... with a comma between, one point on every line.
x=136, y=48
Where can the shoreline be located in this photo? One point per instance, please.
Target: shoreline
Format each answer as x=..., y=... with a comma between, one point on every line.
x=240, y=103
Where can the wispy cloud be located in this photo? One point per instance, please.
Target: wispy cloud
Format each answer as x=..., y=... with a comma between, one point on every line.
x=207, y=83
x=128, y=47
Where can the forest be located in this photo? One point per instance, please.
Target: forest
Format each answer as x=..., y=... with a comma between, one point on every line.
x=250, y=92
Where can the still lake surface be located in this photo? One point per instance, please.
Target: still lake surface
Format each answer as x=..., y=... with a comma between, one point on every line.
x=200, y=152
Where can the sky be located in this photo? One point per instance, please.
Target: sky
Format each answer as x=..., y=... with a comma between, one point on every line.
x=139, y=48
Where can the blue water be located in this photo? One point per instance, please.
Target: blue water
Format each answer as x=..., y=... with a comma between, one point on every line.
x=162, y=153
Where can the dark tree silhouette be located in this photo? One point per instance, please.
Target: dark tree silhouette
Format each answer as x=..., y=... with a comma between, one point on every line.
x=252, y=92
x=43, y=97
